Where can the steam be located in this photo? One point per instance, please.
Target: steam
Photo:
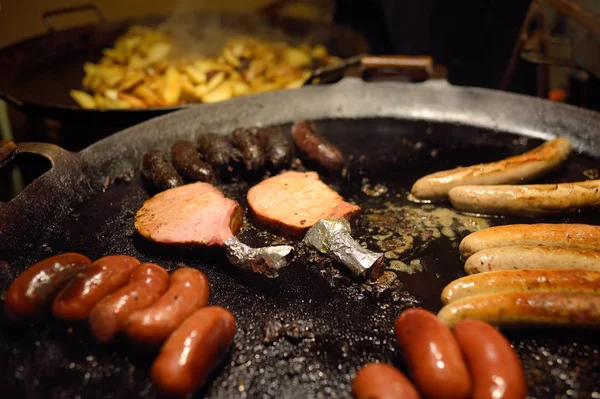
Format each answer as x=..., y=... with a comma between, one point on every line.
x=203, y=34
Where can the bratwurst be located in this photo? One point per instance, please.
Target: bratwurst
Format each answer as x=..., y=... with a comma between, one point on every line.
x=528, y=257
x=558, y=235
x=522, y=280
x=527, y=200
x=516, y=169
x=516, y=309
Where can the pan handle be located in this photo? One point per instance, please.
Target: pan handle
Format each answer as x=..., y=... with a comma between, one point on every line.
x=400, y=63
x=58, y=156
x=8, y=150
x=47, y=15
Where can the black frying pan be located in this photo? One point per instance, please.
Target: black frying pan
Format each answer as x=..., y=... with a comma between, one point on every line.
x=37, y=74
x=343, y=324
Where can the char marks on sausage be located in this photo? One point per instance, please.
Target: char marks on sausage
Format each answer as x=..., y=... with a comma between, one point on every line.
x=197, y=214
x=290, y=203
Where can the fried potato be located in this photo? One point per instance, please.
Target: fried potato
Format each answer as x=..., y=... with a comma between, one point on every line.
x=83, y=99
x=144, y=68
x=172, y=89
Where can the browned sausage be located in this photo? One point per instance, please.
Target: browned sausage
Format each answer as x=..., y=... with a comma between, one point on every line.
x=382, y=381
x=193, y=350
x=87, y=288
x=495, y=368
x=148, y=282
x=36, y=287
x=532, y=309
x=188, y=291
x=433, y=355
x=315, y=146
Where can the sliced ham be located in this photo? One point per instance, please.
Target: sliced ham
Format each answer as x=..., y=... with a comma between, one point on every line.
x=196, y=214
x=290, y=203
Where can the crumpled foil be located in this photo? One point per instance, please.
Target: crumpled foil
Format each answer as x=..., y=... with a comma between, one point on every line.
x=266, y=260
x=332, y=237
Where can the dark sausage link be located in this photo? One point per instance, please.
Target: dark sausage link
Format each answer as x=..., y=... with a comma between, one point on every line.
x=158, y=171
x=37, y=286
x=316, y=148
x=249, y=146
x=87, y=288
x=219, y=152
x=193, y=351
x=187, y=161
x=278, y=146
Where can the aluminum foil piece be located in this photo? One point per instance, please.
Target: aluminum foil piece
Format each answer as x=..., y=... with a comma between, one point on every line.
x=266, y=260
x=332, y=237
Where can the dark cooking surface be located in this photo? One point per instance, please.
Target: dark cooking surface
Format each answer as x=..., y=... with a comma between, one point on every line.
x=345, y=324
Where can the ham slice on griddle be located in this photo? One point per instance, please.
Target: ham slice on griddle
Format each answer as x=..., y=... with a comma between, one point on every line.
x=290, y=203
x=199, y=214
x=196, y=214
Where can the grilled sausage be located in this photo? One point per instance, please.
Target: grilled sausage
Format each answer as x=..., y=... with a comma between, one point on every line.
x=382, y=381
x=523, y=280
x=219, y=152
x=527, y=200
x=316, y=148
x=558, y=235
x=148, y=282
x=516, y=169
x=188, y=291
x=193, y=350
x=158, y=171
x=511, y=309
x=188, y=162
x=495, y=367
x=249, y=145
x=528, y=257
x=36, y=287
x=82, y=293
x=433, y=356
x=278, y=147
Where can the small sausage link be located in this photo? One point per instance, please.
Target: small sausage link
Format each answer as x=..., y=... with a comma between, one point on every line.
x=36, y=287
x=316, y=147
x=278, y=147
x=193, y=350
x=187, y=161
x=188, y=291
x=249, y=146
x=433, y=355
x=495, y=368
x=87, y=288
x=148, y=282
x=159, y=173
x=382, y=381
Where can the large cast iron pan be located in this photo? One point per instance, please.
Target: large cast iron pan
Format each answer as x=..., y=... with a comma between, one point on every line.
x=37, y=74
x=390, y=131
